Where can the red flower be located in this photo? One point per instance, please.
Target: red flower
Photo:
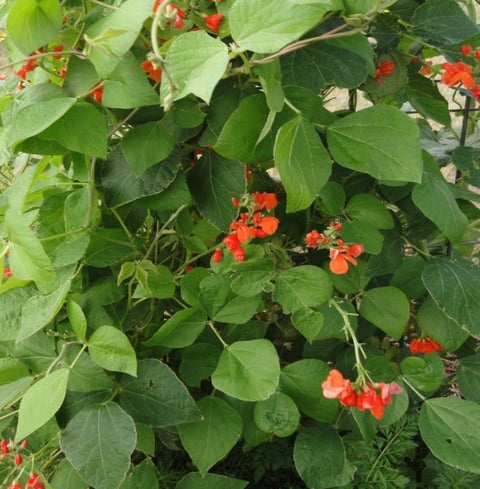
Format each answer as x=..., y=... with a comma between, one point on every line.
x=425, y=69
x=355, y=250
x=217, y=255
x=4, y=447
x=385, y=68
x=34, y=483
x=458, y=73
x=97, y=93
x=15, y=485
x=7, y=273
x=334, y=385
x=265, y=200
x=57, y=49
x=339, y=261
x=424, y=345
x=213, y=22
x=239, y=254
x=466, y=49
x=152, y=72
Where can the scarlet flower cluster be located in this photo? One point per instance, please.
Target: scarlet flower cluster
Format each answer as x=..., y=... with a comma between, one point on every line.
x=461, y=72
x=424, y=345
x=34, y=482
x=373, y=397
x=252, y=224
x=385, y=68
x=340, y=253
x=7, y=273
x=152, y=72
x=28, y=65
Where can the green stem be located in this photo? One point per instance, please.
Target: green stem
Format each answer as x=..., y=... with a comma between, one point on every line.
x=40, y=55
x=62, y=235
x=57, y=360
x=421, y=396
x=161, y=231
x=122, y=123
x=5, y=416
x=91, y=202
x=217, y=334
x=120, y=220
x=350, y=333
x=75, y=360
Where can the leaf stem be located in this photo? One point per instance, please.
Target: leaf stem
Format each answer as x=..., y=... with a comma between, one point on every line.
x=91, y=203
x=217, y=334
x=421, y=396
x=350, y=333
x=41, y=55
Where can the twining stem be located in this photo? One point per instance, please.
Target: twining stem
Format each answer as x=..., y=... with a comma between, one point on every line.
x=156, y=49
x=42, y=55
x=217, y=334
x=350, y=334
x=163, y=228
x=57, y=360
x=75, y=360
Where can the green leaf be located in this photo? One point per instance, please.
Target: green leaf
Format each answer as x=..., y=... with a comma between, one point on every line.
x=278, y=415
x=199, y=361
x=270, y=75
x=66, y=477
x=353, y=281
x=221, y=304
x=98, y=443
x=196, y=63
x=265, y=26
x=248, y=370
x=426, y=99
x=468, y=377
x=77, y=319
x=11, y=369
x=40, y=310
x=320, y=459
x=366, y=207
x=239, y=136
x=308, y=322
x=82, y=128
x=122, y=186
x=302, y=161
x=142, y=475
x=436, y=201
x=127, y=20
x=441, y=22
x=155, y=281
x=195, y=480
x=49, y=393
x=433, y=322
x=127, y=86
x=365, y=233
x=107, y=247
x=11, y=303
x=321, y=64
x=425, y=374
x=187, y=113
x=85, y=376
x=302, y=286
x=408, y=277
x=209, y=440
x=111, y=349
x=381, y=141
x=451, y=429
x=11, y=392
x=157, y=397
x=28, y=259
x=387, y=308
x=33, y=118
x=146, y=145
x=30, y=25
x=301, y=381
x=181, y=330
x=81, y=77
x=190, y=285
x=453, y=284
x=251, y=276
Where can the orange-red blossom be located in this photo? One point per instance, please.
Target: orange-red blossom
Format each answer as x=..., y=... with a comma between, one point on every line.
x=424, y=345
x=373, y=397
x=250, y=225
x=458, y=73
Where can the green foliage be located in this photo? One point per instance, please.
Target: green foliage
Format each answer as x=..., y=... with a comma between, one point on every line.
x=212, y=275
